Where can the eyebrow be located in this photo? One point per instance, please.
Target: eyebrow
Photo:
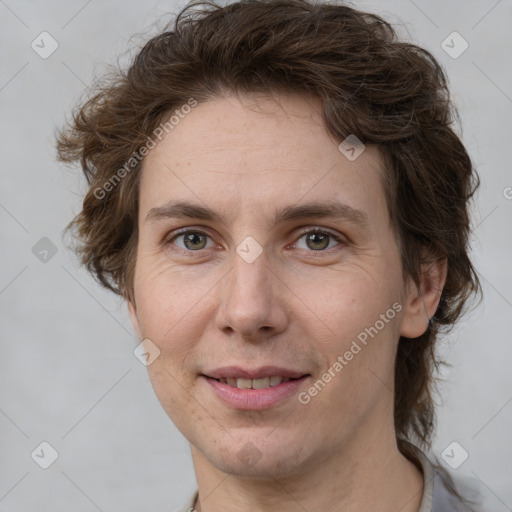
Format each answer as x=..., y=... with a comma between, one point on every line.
x=326, y=210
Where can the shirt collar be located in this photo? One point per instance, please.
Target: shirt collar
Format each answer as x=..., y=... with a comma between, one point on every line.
x=428, y=478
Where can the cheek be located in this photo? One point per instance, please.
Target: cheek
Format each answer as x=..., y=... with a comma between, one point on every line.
x=351, y=300
x=166, y=298
x=358, y=356
x=171, y=315
x=361, y=310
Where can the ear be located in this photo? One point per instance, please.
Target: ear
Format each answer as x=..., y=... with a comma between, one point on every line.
x=421, y=302
x=132, y=310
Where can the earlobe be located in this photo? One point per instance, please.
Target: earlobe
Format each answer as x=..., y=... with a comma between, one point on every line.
x=132, y=310
x=421, y=301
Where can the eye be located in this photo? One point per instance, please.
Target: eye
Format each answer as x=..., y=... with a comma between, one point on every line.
x=318, y=240
x=191, y=240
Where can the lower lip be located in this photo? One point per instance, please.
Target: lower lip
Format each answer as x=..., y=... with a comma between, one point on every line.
x=255, y=399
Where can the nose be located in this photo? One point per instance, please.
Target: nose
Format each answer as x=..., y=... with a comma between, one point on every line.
x=252, y=301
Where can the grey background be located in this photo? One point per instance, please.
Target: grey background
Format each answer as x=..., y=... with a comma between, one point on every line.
x=68, y=375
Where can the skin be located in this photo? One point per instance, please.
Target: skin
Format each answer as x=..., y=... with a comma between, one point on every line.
x=298, y=305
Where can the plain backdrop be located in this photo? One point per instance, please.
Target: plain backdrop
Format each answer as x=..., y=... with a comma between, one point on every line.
x=68, y=376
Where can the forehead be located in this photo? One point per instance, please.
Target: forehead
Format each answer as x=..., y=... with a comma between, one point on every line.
x=253, y=153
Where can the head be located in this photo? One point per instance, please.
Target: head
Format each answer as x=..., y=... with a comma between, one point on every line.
x=239, y=111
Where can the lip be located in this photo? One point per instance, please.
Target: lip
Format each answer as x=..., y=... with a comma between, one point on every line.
x=256, y=373
x=255, y=399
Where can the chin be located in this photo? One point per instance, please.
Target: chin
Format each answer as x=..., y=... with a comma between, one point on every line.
x=265, y=468
x=258, y=458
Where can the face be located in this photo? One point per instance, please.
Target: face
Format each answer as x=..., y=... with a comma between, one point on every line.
x=265, y=252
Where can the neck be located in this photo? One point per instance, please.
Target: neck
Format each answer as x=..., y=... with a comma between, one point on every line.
x=360, y=477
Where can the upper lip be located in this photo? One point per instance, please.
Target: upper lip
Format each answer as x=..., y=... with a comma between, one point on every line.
x=256, y=373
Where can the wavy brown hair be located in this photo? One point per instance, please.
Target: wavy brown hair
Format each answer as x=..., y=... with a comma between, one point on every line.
x=371, y=84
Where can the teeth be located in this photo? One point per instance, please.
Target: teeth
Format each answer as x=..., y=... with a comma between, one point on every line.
x=274, y=381
x=262, y=383
x=244, y=383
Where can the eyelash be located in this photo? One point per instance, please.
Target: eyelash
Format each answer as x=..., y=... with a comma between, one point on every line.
x=306, y=231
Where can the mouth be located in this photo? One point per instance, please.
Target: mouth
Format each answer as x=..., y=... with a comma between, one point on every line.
x=257, y=378
x=261, y=383
x=261, y=388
